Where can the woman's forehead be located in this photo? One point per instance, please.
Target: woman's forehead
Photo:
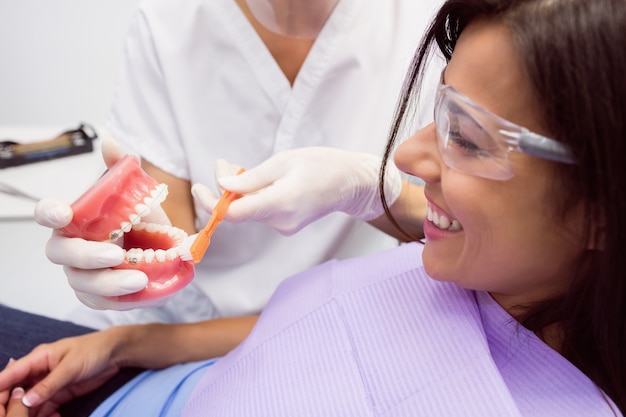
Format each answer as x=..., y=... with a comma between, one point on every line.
x=486, y=68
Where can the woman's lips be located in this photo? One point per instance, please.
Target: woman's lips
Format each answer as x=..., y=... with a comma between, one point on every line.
x=111, y=210
x=441, y=219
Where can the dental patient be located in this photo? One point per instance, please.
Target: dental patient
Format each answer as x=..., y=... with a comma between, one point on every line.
x=512, y=306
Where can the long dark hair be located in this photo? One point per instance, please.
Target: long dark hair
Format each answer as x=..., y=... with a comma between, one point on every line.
x=574, y=53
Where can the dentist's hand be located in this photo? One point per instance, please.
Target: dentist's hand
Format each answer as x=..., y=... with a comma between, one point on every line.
x=86, y=263
x=296, y=187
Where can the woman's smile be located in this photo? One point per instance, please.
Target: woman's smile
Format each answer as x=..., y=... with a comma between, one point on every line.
x=442, y=220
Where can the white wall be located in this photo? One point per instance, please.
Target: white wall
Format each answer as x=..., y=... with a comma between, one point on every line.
x=59, y=59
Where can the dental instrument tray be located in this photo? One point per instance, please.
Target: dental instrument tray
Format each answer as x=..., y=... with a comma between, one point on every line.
x=70, y=142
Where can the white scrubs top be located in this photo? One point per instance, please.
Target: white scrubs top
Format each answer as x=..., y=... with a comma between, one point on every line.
x=199, y=84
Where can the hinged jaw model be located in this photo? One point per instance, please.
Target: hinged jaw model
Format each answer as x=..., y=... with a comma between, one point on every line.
x=112, y=210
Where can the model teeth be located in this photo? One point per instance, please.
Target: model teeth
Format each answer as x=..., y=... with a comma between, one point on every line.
x=126, y=227
x=136, y=255
x=160, y=255
x=142, y=210
x=157, y=196
x=442, y=221
x=159, y=193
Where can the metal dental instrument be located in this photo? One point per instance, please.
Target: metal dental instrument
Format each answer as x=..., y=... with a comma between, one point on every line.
x=10, y=190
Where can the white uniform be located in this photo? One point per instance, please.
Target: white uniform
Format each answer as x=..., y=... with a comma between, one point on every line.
x=199, y=84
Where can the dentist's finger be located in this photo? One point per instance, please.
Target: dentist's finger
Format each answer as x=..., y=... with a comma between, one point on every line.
x=250, y=180
x=53, y=213
x=81, y=253
x=111, y=151
x=106, y=282
x=204, y=197
x=224, y=168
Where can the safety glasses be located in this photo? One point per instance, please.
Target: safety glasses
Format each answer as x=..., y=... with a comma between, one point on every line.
x=477, y=142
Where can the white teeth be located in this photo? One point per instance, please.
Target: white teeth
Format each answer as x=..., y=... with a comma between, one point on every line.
x=137, y=255
x=157, y=196
x=442, y=221
x=134, y=256
x=142, y=210
x=148, y=255
x=177, y=234
x=171, y=254
x=159, y=254
x=152, y=227
x=159, y=193
x=139, y=226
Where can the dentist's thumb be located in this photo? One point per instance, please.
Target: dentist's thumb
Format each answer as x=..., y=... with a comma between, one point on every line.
x=53, y=213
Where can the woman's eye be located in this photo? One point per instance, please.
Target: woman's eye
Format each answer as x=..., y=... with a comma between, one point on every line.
x=466, y=146
x=467, y=137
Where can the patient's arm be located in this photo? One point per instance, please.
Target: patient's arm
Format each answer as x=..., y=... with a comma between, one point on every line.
x=179, y=203
x=181, y=343
x=74, y=366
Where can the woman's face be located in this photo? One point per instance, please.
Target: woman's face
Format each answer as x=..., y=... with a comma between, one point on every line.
x=508, y=239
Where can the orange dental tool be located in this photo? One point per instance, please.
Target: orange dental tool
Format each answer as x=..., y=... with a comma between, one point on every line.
x=202, y=241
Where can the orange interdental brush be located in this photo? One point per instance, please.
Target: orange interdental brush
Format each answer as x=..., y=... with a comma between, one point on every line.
x=202, y=241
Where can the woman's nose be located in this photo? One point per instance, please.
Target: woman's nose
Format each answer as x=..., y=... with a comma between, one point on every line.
x=419, y=155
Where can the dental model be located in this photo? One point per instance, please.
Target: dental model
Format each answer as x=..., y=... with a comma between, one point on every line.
x=112, y=210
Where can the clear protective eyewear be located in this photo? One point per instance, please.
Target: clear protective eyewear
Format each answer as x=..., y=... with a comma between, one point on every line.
x=477, y=142
x=302, y=19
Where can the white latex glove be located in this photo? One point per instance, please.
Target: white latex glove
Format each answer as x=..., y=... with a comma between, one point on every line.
x=87, y=264
x=296, y=187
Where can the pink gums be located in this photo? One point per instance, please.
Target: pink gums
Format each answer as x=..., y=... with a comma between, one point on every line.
x=110, y=202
